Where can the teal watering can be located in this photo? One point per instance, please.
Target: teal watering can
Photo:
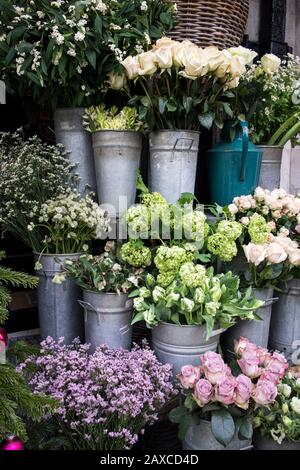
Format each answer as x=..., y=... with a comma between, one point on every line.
x=233, y=165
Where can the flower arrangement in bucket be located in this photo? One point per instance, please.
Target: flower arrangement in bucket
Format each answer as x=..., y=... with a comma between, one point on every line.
x=279, y=424
x=70, y=54
x=227, y=398
x=101, y=406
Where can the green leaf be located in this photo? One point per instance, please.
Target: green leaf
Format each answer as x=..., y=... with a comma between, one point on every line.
x=206, y=120
x=186, y=198
x=138, y=317
x=92, y=57
x=98, y=25
x=162, y=102
x=246, y=428
x=227, y=109
x=223, y=427
x=16, y=33
x=171, y=107
x=178, y=414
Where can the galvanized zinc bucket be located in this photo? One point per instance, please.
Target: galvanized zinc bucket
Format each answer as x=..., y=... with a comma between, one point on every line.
x=266, y=443
x=117, y=157
x=107, y=319
x=70, y=132
x=181, y=345
x=173, y=162
x=200, y=437
x=59, y=311
x=257, y=331
x=270, y=167
x=285, y=325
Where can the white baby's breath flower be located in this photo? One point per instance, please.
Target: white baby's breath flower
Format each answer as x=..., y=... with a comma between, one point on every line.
x=79, y=36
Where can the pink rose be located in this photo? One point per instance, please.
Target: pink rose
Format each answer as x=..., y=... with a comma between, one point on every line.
x=203, y=392
x=245, y=220
x=275, y=367
x=262, y=354
x=265, y=392
x=233, y=209
x=224, y=391
x=255, y=254
x=249, y=364
x=276, y=254
x=243, y=391
x=240, y=345
x=213, y=366
x=189, y=376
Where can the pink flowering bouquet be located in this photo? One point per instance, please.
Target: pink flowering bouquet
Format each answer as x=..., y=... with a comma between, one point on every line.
x=228, y=397
x=106, y=398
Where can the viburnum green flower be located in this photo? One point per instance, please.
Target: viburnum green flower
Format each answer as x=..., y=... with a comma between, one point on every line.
x=258, y=229
x=192, y=275
x=164, y=279
x=194, y=226
x=151, y=200
x=138, y=220
x=219, y=245
x=171, y=258
x=232, y=230
x=136, y=254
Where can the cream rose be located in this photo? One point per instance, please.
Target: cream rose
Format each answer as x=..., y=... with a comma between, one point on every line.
x=247, y=54
x=294, y=257
x=255, y=254
x=276, y=254
x=163, y=42
x=164, y=57
x=116, y=82
x=147, y=63
x=270, y=63
x=132, y=67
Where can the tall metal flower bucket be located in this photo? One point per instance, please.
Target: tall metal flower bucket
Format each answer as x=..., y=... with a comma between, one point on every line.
x=200, y=437
x=181, y=345
x=266, y=443
x=257, y=331
x=173, y=162
x=285, y=325
x=70, y=132
x=107, y=319
x=117, y=157
x=59, y=311
x=270, y=167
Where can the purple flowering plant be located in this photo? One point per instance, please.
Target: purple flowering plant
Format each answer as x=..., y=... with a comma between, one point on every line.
x=106, y=398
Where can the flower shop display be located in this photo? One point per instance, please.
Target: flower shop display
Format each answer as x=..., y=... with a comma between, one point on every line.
x=188, y=306
x=278, y=426
x=106, y=282
x=31, y=173
x=66, y=224
x=183, y=88
x=219, y=402
x=268, y=97
x=117, y=147
x=219, y=23
x=233, y=165
x=106, y=398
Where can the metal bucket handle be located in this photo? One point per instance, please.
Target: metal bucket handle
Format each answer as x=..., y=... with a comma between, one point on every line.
x=245, y=130
x=269, y=302
x=295, y=291
x=86, y=305
x=175, y=147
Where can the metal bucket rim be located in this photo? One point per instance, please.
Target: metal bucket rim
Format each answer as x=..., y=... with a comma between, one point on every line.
x=105, y=293
x=59, y=254
x=181, y=131
x=266, y=146
x=66, y=108
x=129, y=131
x=181, y=326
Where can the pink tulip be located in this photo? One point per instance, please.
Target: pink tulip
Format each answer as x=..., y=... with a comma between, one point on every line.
x=243, y=391
x=224, y=391
x=203, y=392
x=249, y=364
x=265, y=392
x=214, y=367
x=189, y=376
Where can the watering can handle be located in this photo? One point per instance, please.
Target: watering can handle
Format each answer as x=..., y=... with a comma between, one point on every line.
x=245, y=129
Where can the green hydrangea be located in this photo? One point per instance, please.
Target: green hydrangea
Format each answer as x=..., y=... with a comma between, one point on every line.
x=218, y=244
x=138, y=220
x=192, y=275
x=135, y=254
x=194, y=226
x=166, y=278
x=151, y=200
x=232, y=230
x=258, y=229
x=171, y=258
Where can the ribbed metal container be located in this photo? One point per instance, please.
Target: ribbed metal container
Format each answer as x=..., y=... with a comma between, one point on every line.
x=117, y=157
x=70, y=132
x=181, y=345
x=107, y=319
x=200, y=437
x=285, y=325
x=257, y=331
x=59, y=311
x=173, y=162
x=270, y=167
x=266, y=443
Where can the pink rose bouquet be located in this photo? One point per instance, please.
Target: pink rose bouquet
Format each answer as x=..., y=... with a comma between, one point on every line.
x=214, y=392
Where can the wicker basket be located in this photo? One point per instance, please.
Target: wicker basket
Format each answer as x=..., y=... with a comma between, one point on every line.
x=218, y=23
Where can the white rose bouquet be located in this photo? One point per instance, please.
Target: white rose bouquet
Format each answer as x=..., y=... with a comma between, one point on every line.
x=184, y=86
x=67, y=223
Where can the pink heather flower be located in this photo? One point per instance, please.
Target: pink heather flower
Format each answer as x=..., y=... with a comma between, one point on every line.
x=249, y=364
x=224, y=390
x=214, y=367
x=265, y=392
x=203, y=392
x=189, y=376
x=243, y=391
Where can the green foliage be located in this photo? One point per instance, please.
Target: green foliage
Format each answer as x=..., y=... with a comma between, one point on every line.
x=99, y=118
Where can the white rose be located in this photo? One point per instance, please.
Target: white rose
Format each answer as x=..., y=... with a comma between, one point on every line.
x=255, y=254
x=285, y=389
x=116, y=82
x=163, y=42
x=180, y=50
x=147, y=62
x=294, y=257
x=247, y=54
x=295, y=405
x=237, y=67
x=213, y=57
x=224, y=67
x=276, y=254
x=233, y=83
x=164, y=57
x=270, y=63
x=132, y=67
x=195, y=65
